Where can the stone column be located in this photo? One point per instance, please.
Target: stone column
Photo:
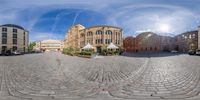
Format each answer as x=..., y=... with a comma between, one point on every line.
x=199, y=37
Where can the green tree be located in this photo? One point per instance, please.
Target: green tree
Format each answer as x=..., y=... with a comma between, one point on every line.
x=31, y=45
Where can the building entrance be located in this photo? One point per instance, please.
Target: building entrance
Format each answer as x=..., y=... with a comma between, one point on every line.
x=98, y=49
x=4, y=48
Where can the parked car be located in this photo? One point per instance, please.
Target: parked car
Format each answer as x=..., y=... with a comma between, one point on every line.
x=16, y=53
x=174, y=51
x=197, y=52
x=191, y=52
x=8, y=53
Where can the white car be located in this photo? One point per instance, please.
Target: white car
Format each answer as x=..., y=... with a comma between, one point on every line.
x=197, y=52
x=174, y=51
x=17, y=53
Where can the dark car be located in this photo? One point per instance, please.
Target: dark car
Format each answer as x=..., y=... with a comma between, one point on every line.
x=191, y=52
x=8, y=53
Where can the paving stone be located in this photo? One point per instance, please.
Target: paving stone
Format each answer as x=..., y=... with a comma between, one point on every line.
x=49, y=76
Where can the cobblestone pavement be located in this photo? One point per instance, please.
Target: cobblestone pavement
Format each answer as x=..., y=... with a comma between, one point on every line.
x=53, y=76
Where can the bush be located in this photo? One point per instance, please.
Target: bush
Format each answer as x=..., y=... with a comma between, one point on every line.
x=70, y=51
x=86, y=52
x=111, y=52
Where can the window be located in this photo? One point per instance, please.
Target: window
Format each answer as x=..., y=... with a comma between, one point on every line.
x=99, y=32
x=96, y=41
x=4, y=40
x=108, y=41
x=24, y=40
x=14, y=48
x=89, y=34
x=24, y=49
x=101, y=41
x=4, y=35
x=4, y=30
x=109, y=32
x=14, y=35
x=190, y=36
x=4, y=48
x=15, y=30
x=14, y=41
x=193, y=36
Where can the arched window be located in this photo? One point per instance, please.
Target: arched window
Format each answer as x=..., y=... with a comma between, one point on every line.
x=109, y=32
x=99, y=32
x=89, y=34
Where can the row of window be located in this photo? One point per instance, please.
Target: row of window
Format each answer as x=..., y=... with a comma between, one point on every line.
x=5, y=48
x=4, y=41
x=4, y=38
x=14, y=48
x=100, y=41
x=99, y=32
x=191, y=36
x=4, y=35
x=143, y=49
x=5, y=30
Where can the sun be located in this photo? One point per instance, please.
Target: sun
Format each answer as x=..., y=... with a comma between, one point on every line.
x=164, y=27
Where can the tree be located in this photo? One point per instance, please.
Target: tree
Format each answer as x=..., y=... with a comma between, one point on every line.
x=31, y=45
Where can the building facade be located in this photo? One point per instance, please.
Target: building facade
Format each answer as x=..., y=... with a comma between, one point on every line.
x=186, y=41
x=13, y=38
x=199, y=37
x=130, y=44
x=49, y=45
x=98, y=36
x=147, y=42
x=72, y=38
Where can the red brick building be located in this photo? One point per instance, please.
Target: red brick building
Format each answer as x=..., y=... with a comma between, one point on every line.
x=130, y=44
x=148, y=42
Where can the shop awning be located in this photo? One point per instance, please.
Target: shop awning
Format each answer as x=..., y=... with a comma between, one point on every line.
x=88, y=46
x=112, y=46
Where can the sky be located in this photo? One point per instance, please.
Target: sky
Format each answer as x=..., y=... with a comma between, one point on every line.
x=50, y=19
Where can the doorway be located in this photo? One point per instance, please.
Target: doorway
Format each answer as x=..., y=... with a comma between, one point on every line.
x=98, y=49
x=3, y=51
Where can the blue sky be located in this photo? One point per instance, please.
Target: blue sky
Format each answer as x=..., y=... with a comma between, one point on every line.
x=50, y=19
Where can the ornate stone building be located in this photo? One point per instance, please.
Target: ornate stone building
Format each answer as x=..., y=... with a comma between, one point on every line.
x=13, y=38
x=186, y=41
x=98, y=36
x=72, y=38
